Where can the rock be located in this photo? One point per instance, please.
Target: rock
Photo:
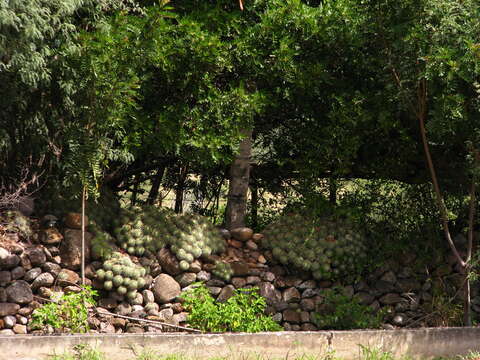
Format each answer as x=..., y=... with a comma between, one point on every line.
x=214, y=290
x=383, y=287
x=71, y=249
x=17, y=273
x=180, y=317
x=364, y=298
x=32, y=274
x=9, y=261
x=226, y=293
x=267, y=290
x=118, y=322
x=307, y=304
x=348, y=291
x=399, y=320
x=9, y=321
x=203, y=276
x=215, y=282
x=168, y=262
x=25, y=311
x=304, y=316
x=309, y=293
x=20, y=329
x=405, y=272
x=257, y=237
x=4, y=254
x=291, y=295
x=239, y=282
x=7, y=332
x=195, y=267
x=67, y=277
x=165, y=288
x=291, y=316
x=19, y=292
x=242, y=233
x=268, y=276
x=7, y=308
x=390, y=299
x=108, y=303
x=5, y=278
x=407, y=285
x=251, y=245
x=277, y=317
x=296, y=327
x=261, y=259
x=280, y=306
x=309, y=284
x=44, y=279
x=235, y=244
x=225, y=234
x=389, y=276
x=123, y=308
x=50, y=236
x=240, y=268
x=74, y=220
x=37, y=256
x=292, y=281
x=286, y=326
x=308, y=327
x=148, y=297
x=21, y=319
x=375, y=305
x=166, y=314
x=253, y=280
x=3, y=295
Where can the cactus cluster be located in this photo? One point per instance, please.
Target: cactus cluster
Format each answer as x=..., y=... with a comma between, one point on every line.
x=15, y=221
x=120, y=274
x=222, y=270
x=330, y=249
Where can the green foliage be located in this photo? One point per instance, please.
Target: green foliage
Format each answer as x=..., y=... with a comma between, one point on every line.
x=67, y=312
x=243, y=312
x=341, y=312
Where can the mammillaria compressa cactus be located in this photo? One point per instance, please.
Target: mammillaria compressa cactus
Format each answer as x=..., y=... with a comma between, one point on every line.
x=330, y=249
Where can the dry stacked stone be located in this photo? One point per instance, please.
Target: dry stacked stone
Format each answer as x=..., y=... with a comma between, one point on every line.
x=30, y=274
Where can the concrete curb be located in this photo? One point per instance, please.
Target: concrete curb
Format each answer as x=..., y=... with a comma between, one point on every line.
x=416, y=343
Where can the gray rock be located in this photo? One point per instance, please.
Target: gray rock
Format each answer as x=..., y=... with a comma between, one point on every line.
x=5, y=278
x=32, y=274
x=251, y=245
x=136, y=308
x=215, y=282
x=277, y=317
x=8, y=308
x=71, y=249
x=8, y=260
x=291, y=316
x=138, y=300
x=17, y=273
x=165, y=288
x=304, y=316
x=9, y=321
x=389, y=276
x=148, y=297
x=203, y=276
x=37, y=256
x=180, y=317
x=307, y=304
x=22, y=320
x=3, y=295
x=407, y=285
x=52, y=268
x=239, y=282
x=308, y=327
x=390, y=299
x=253, y=280
x=296, y=327
x=166, y=314
x=67, y=277
x=365, y=298
x=195, y=267
x=267, y=290
x=186, y=278
x=108, y=303
x=361, y=286
x=214, y=290
x=268, y=276
x=7, y=332
x=44, y=279
x=291, y=295
x=309, y=284
x=309, y=293
x=280, y=306
x=123, y=308
x=383, y=287
x=226, y=293
x=19, y=292
x=405, y=272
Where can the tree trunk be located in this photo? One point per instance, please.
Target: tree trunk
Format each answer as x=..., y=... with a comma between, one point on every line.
x=238, y=187
x=157, y=181
x=180, y=189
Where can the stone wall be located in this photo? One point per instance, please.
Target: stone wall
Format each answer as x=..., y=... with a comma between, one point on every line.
x=31, y=272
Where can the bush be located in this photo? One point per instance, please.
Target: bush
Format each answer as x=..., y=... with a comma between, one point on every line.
x=243, y=312
x=67, y=312
x=341, y=312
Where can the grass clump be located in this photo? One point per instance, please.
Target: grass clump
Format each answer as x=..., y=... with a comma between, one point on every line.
x=243, y=312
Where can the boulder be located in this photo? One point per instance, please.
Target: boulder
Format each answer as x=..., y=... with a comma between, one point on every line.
x=242, y=233
x=240, y=268
x=19, y=292
x=7, y=308
x=226, y=293
x=67, y=277
x=37, y=256
x=43, y=280
x=390, y=299
x=203, y=276
x=71, y=249
x=267, y=290
x=291, y=316
x=50, y=236
x=239, y=282
x=5, y=277
x=291, y=295
x=165, y=288
x=17, y=273
x=32, y=274
x=74, y=220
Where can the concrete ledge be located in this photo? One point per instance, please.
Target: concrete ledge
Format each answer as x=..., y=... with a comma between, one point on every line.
x=417, y=343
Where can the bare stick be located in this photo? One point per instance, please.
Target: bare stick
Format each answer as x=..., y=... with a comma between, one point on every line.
x=83, y=237
x=148, y=321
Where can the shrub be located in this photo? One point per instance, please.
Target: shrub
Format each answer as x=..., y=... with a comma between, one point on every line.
x=243, y=312
x=67, y=312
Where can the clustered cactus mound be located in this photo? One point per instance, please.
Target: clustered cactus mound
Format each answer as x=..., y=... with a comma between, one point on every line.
x=120, y=274
x=222, y=270
x=329, y=249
